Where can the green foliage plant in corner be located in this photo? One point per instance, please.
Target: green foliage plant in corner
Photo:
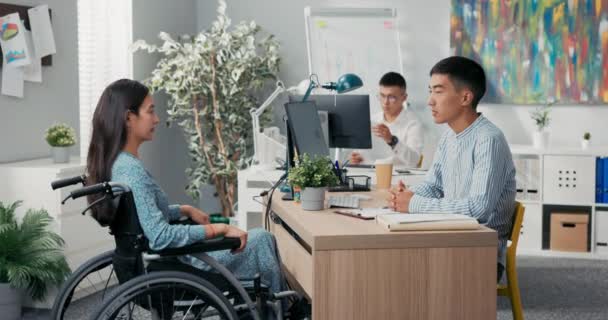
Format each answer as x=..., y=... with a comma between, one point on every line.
x=313, y=173
x=211, y=80
x=31, y=256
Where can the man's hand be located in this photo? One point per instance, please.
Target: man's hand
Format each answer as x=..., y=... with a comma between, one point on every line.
x=195, y=214
x=399, y=200
x=356, y=158
x=382, y=131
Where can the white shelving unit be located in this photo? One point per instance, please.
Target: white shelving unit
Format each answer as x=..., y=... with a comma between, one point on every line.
x=562, y=176
x=30, y=181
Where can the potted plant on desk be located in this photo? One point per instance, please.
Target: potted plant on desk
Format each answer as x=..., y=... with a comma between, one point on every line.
x=31, y=258
x=313, y=176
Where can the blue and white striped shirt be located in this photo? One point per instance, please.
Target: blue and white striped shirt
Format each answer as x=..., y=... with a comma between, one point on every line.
x=472, y=174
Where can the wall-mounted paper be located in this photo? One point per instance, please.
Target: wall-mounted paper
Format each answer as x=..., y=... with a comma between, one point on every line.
x=33, y=71
x=12, y=40
x=12, y=80
x=42, y=31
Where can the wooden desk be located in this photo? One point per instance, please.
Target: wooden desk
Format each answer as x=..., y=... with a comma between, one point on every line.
x=356, y=269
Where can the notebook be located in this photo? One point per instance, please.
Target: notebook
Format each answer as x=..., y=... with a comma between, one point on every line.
x=365, y=213
x=430, y=221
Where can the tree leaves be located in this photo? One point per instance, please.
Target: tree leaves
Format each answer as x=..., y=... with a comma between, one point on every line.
x=185, y=71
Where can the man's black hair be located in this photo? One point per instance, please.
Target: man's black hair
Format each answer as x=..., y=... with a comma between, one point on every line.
x=463, y=72
x=393, y=79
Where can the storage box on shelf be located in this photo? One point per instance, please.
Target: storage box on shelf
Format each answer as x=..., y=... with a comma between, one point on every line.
x=562, y=180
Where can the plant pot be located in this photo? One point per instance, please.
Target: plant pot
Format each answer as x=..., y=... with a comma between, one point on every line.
x=61, y=154
x=313, y=199
x=540, y=139
x=10, y=302
x=585, y=144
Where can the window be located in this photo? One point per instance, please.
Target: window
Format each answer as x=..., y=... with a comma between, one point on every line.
x=104, y=37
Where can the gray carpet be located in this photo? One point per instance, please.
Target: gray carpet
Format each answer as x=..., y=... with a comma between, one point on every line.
x=558, y=288
x=551, y=288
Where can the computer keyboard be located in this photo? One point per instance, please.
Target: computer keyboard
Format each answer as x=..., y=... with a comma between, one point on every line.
x=347, y=188
x=343, y=202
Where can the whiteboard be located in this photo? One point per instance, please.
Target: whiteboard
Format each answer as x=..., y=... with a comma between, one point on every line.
x=363, y=41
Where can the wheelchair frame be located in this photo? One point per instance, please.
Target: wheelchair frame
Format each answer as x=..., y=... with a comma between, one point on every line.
x=122, y=196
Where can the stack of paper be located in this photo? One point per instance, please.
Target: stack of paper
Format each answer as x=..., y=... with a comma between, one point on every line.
x=432, y=221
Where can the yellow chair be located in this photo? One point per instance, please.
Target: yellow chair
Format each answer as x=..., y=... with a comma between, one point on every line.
x=419, y=165
x=511, y=289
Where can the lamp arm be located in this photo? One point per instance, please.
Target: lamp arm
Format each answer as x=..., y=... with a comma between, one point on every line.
x=255, y=116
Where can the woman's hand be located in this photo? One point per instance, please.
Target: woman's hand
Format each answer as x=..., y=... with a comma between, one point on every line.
x=234, y=232
x=195, y=214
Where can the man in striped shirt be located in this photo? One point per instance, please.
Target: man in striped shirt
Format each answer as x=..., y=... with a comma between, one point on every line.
x=473, y=172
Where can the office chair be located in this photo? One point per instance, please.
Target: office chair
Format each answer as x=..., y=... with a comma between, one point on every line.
x=419, y=165
x=511, y=288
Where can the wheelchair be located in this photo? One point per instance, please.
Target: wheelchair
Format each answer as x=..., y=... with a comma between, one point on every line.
x=134, y=282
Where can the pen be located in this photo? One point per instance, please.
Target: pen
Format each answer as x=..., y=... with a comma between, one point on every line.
x=338, y=173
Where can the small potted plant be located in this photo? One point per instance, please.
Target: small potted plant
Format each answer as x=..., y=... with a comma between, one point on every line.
x=540, y=137
x=586, y=140
x=31, y=258
x=312, y=176
x=60, y=137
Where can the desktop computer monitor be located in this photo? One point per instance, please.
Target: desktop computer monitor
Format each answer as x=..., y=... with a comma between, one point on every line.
x=349, y=119
x=305, y=128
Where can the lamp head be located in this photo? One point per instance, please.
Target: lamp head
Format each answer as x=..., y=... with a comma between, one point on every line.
x=347, y=82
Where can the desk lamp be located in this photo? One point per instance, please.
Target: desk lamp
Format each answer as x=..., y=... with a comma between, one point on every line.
x=347, y=82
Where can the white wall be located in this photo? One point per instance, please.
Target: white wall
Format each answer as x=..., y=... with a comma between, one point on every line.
x=285, y=20
x=23, y=122
x=424, y=31
x=166, y=156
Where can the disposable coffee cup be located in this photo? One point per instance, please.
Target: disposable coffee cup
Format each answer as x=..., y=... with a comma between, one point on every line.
x=384, y=173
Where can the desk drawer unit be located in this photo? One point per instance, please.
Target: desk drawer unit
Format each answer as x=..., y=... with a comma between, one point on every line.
x=295, y=258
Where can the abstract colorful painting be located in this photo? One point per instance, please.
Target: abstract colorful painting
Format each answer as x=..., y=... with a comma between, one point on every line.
x=536, y=51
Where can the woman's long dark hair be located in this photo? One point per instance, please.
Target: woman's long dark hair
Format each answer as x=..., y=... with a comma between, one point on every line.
x=109, y=137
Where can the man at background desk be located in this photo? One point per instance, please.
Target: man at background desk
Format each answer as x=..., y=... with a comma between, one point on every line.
x=395, y=125
x=473, y=171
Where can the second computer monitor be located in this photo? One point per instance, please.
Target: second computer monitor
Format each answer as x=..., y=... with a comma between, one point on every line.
x=305, y=128
x=349, y=119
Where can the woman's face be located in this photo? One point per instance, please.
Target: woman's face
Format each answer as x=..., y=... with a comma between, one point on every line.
x=141, y=126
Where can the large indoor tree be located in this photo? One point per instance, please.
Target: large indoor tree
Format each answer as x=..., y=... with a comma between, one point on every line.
x=211, y=80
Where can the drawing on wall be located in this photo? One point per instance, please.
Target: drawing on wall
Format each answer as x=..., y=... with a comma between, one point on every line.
x=13, y=42
x=536, y=51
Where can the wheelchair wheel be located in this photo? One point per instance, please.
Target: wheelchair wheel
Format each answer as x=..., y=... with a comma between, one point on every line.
x=166, y=295
x=87, y=286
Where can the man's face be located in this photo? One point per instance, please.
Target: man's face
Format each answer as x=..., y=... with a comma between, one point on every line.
x=447, y=102
x=392, y=98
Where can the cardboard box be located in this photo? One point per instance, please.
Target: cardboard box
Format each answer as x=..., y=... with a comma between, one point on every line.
x=569, y=232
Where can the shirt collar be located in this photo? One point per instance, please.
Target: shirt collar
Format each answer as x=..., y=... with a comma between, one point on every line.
x=400, y=118
x=471, y=127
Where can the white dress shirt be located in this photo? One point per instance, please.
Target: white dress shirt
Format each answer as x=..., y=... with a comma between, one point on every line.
x=407, y=152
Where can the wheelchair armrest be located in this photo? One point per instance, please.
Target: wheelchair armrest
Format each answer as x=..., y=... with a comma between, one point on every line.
x=214, y=244
x=183, y=221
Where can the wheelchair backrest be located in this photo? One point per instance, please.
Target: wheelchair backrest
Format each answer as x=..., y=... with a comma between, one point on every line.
x=129, y=238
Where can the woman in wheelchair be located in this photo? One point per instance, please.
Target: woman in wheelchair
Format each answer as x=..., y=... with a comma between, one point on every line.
x=123, y=120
